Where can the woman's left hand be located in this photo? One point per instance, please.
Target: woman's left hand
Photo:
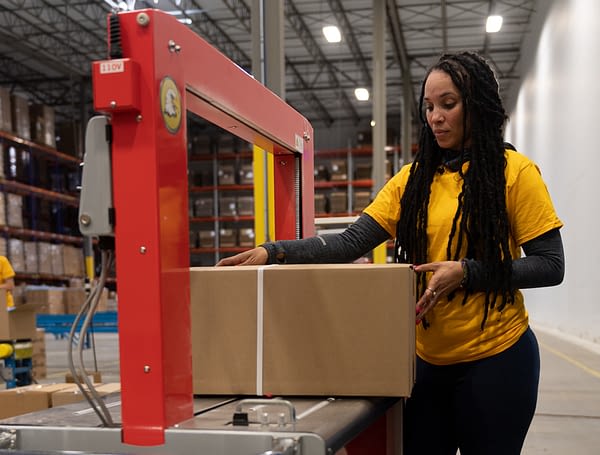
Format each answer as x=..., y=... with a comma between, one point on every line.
x=446, y=277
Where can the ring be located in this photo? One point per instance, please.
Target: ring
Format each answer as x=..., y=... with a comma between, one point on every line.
x=433, y=293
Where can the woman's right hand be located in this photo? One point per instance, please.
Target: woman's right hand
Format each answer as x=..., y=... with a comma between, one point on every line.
x=255, y=256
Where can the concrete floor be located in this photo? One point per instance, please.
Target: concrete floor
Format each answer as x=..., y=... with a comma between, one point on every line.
x=567, y=420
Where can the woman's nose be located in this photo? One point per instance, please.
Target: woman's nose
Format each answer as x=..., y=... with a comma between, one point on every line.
x=435, y=115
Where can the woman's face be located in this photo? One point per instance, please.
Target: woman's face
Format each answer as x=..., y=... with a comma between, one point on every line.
x=444, y=110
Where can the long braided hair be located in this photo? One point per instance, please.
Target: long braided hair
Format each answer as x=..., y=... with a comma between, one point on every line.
x=481, y=221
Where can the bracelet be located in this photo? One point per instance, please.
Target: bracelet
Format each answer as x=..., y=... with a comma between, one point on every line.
x=465, y=270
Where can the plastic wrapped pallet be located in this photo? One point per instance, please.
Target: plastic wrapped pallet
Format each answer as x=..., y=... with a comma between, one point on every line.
x=45, y=258
x=16, y=254
x=14, y=210
x=56, y=258
x=31, y=257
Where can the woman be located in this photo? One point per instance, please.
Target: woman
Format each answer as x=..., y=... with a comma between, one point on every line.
x=7, y=281
x=462, y=210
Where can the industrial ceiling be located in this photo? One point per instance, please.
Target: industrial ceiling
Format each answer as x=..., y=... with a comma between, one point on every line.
x=46, y=47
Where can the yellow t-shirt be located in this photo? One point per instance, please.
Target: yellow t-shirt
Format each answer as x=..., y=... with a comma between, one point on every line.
x=455, y=334
x=6, y=272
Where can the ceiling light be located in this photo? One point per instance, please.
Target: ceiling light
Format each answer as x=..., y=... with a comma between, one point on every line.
x=332, y=34
x=362, y=94
x=493, y=24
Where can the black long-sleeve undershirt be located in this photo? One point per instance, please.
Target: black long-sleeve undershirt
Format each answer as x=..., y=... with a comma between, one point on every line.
x=543, y=264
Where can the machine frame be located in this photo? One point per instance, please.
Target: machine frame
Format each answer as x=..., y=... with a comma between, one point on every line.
x=166, y=70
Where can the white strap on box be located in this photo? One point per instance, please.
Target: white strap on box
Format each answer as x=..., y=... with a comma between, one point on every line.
x=260, y=327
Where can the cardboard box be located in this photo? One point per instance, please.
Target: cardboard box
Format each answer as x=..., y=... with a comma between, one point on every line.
x=18, y=323
x=338, y=202
x=14, y=210
x=228, y=237
x=204, y=206
x=333, y=330
x=2, y=202
x=50, y=300
x=228, y=206
x=361, y=199
x=245, y=205
x=16, y=254
x=320, y=203
x=14, y=402
x=74, y=300
x=94, y=376
x=20, y=116
x=70, y=394
x=42, y=124
x=5, y=110
x=31, y=257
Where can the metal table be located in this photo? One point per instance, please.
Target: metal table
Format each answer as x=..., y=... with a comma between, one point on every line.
x=301, y=426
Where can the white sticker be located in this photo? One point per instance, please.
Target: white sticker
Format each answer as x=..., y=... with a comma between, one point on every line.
x=299, y=143
x=112, y=66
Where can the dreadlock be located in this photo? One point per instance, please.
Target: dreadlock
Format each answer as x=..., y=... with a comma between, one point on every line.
x=480, y=222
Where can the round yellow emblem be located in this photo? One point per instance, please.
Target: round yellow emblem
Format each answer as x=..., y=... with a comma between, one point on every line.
x=170, y=104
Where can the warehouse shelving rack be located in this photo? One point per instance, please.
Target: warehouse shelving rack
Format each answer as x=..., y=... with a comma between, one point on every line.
x=46, y=174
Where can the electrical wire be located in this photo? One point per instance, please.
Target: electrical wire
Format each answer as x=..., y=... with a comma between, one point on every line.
x=87, y=310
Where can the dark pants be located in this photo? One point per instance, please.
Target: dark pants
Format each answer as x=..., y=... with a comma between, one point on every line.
x=483, y=407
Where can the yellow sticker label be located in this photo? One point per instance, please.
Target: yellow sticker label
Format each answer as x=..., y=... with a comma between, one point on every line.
x=170, y=104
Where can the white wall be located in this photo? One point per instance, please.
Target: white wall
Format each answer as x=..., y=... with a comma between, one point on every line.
x=556, y=122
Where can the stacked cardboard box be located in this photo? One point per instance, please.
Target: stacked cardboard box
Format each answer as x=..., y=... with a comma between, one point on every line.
x=361, y=200
x=73, y=264
x=2, y=208
x=227, y=206
x=245, y=205
x=42, y=124
x=362, y=171
x=246, y=237
x=16, y=254
x=246, y=174
x=18, y=323
x=31, y=256
x=228, y=237
x=3, y=247
x=226, y=174
x=49, y=299
x=206, y=238
x=38, y=397
x=38, y=359
x=339, y=170
x=338, y=202
x=56, y=259
x=45, y=258
x=320, y=203
x=203, y=206
x=5, y=110
x=14, y=210
x=20, y=116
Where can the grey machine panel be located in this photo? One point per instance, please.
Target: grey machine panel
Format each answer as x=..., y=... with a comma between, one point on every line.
x=96, y=202
x=321, y=427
